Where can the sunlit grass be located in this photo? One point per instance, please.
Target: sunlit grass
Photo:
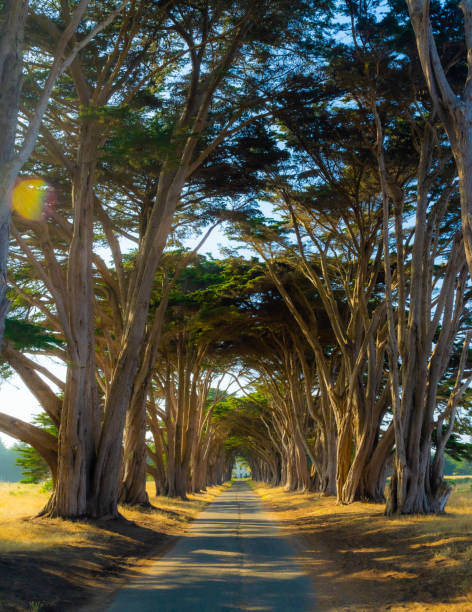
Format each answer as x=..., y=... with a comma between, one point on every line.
x=58, y=564
x=19, y=503
x=357, y=555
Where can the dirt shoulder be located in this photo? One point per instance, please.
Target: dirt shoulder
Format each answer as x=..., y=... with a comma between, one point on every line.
x=362, y=561
x=50, y=565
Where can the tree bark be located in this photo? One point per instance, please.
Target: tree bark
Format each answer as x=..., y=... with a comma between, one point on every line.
x=374, y=477
x=419, y=354
x=79, y=427
x=455, y=114
x=11, y=64
x=133, y=485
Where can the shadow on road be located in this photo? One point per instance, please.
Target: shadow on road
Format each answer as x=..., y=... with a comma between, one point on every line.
x=233, y=558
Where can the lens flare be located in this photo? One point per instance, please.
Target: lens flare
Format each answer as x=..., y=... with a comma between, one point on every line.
x=33, y=198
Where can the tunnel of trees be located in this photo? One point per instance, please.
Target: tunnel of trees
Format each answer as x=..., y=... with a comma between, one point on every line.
x=329, y=140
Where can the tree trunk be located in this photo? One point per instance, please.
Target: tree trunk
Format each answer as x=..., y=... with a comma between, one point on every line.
x=171, y=460
x=455, y=114
x=463, y=158
x=327, y=484
x=363, y=450
x=374, y=478
x=344, y=454
x=292, y=482
x=11, y=64
x=79, y=427
x=303, y=474
x=157, y=471
x=106, y=473
x=133, y=486
x=181, y=481
x=366, y=440
x=423, y=352
x=417, y=488
x=4, y=239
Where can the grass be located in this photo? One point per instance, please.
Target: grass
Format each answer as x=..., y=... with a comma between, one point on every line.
x=361, y=560
x=20, y=502
x=54, y=565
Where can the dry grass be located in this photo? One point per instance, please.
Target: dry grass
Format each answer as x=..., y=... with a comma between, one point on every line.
x=361, y=560
x=20, y=502
x=52, y=565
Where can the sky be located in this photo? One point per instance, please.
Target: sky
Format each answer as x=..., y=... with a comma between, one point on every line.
x=16, y=400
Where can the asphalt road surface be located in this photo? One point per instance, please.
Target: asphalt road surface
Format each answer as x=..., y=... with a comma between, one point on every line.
x=232, y=558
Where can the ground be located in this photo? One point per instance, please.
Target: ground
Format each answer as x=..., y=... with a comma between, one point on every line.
x=359, y=559
x=53, y=565
x=362, y=561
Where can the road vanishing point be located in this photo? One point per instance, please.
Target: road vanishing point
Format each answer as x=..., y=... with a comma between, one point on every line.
x=232, y=558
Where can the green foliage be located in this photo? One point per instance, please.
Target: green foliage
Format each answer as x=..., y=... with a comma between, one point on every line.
x=240, y=417
x=5, y=371
x=458, y=451
x=29, y=336
x=47, y=486
x=33, y=466
x=135, y=141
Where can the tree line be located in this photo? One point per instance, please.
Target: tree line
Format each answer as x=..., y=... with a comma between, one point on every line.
x=348, y=332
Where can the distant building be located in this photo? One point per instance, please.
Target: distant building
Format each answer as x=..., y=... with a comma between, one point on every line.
x=241, y=470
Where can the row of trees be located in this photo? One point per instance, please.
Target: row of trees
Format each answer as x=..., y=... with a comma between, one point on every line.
x=380, y=242
x=142, y=106
x=351, y=325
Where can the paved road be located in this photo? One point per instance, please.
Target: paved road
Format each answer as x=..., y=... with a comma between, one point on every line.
x=232, y=558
